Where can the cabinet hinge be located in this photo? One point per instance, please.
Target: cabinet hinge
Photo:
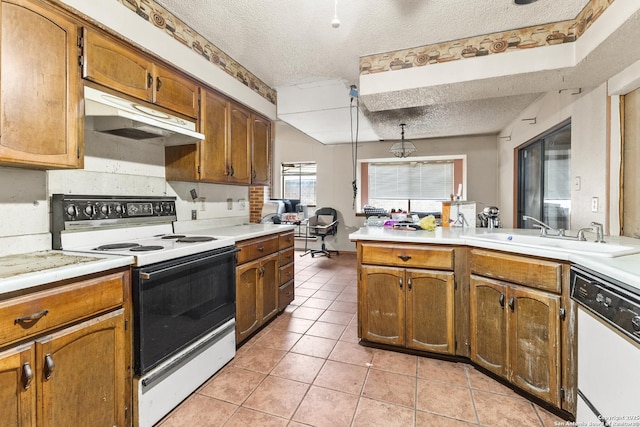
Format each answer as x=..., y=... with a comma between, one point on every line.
x=563, y=313
x=199, y=170
x=80, y=41
x=562, y=393
x=80, y=61
x=78, y=152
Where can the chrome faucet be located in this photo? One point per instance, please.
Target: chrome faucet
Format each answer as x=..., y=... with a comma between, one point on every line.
x=544, y=228
x=599, y=232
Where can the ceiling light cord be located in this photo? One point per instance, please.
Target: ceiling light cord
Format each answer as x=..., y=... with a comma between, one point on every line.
x=335, y=23
x=354, y=142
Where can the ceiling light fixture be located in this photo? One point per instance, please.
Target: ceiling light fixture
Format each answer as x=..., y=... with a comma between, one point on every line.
x=335, y=23
x=403, y=148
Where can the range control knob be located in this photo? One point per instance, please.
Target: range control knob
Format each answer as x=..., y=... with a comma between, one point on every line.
x=635, y=323
x=72, y=211
x=167, y=208
x=89, y=210
x=104, y=210
x=119, y=209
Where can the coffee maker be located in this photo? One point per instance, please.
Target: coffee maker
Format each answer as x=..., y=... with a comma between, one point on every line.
x=489, y=217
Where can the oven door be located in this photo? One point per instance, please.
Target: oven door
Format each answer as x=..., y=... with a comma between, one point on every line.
x=179, y=301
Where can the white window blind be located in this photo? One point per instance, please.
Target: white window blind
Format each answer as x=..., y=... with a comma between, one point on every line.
x=411, y=180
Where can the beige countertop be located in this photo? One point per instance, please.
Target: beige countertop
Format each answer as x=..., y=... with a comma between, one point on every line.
x=238, y=232
x=32, y=269
x=625, y=268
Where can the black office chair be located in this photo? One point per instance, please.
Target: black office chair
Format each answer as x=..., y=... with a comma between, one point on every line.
x=324, y=223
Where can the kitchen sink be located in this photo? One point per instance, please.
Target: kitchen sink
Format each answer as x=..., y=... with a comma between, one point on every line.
x=609, y=250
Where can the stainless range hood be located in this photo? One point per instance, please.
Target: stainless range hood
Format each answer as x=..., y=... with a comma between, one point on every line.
x=129, y=119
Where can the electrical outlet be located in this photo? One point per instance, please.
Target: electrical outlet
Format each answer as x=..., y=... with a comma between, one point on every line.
x=194, y=214
x=229, y=204
x=594, y=204
x=242, y=204
x=576, y=183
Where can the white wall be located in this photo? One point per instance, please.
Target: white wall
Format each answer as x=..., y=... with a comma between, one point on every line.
x=335, y=170
x=589, y=150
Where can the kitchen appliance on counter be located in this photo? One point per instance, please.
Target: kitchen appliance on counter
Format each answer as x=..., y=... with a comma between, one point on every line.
x=608, y=349
x=183, y=291
x=489, y=217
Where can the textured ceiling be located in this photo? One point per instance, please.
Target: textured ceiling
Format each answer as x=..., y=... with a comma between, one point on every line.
x=291, y=46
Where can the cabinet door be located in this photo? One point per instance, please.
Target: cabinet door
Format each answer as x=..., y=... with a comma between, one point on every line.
x=114, y=65
x=239, y=145
x=260, y=151
x=17, y=387
x=215, y=126
x=382, y=304
x=83, y=374
x=40, y=84
x=269, y=287
x=430, y=302
x=172, y=91
x=247, y=288
x=534, y=347
x=489, y=324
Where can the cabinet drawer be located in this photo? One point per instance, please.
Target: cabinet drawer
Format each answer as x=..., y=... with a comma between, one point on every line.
x=256, y=248
x=286, y=240
x=535, y=273
x=407, y=256
x=286, y=256
x=58, y=306
x=286, y=273
x=286, y=294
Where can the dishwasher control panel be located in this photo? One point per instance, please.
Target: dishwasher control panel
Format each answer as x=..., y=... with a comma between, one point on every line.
x=608, y=300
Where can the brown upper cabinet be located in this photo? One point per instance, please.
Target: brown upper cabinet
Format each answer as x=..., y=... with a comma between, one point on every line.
x=40, y=88
x=235, y=150
x=260, y=151
x=119, y=67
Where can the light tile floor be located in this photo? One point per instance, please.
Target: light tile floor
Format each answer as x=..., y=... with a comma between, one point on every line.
x=306, y=368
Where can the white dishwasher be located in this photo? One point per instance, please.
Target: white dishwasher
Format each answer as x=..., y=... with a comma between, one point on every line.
x=608, y=350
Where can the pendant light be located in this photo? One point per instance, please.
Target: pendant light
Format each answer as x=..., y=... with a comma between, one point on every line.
x=403, y=148
x=335, y=23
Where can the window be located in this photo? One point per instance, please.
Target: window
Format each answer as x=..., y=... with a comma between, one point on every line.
x=544, y=181
x=414, y=186
x=299, y=182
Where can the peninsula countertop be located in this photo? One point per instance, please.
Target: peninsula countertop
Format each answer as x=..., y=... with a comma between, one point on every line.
x=625, y=268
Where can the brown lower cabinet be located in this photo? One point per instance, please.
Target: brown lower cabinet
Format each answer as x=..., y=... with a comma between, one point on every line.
x=411, y=308
x=515, y=333
x=263, y=287
x=61, y=370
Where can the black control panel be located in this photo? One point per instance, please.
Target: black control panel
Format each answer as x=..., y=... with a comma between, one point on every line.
x=79, y=212
x=611, y=301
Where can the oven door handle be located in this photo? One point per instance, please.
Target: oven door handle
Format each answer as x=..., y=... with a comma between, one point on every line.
x=154, y=274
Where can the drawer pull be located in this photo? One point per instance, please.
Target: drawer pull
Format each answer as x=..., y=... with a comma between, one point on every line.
x=27, y=375
x=32, y=318
x=501, y=300
x=260, y=248
x=404, y=258
x=400, y=280
x=512, y=303
x=49, y=366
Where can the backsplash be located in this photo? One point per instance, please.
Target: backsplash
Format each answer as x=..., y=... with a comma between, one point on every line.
x=113, y=166
x=488, y=44
x=152, y=12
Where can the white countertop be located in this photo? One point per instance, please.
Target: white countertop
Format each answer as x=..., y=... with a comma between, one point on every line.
x=623, y=268
x=238, y=232
x=32, y=269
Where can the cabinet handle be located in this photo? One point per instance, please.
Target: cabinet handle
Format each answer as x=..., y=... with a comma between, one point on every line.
x=49, y=366
x=32, y=318
x=502, y=300
x=409, y=283
x=232, y=171
x=400, y=279
x=253, y=175
x=405, y=258
x=27, y=375
x=512, y=303
x=158, y=84
x=260, y=248
x=149, y=80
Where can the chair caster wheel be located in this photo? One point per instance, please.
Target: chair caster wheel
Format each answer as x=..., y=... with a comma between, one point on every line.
x=312, y=255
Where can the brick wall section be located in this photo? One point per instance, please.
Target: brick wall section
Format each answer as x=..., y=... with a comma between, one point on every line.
x=257, y=196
